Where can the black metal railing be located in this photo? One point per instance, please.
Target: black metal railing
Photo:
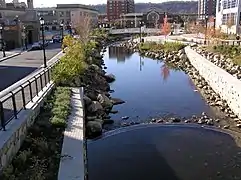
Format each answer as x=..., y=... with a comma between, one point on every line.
x=16, y=97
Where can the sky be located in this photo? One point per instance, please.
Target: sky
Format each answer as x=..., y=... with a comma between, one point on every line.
x=51, y=3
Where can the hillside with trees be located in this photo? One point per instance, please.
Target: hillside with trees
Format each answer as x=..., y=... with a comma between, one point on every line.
x=170, y=6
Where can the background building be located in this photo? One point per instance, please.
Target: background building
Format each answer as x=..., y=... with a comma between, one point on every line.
x=206, y=7
x=117, y=7
x=228, y=14
x=152, y=18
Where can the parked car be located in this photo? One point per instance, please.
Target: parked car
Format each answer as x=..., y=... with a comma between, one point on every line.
x=36, y=46
x=57, y=39
x=46, y=43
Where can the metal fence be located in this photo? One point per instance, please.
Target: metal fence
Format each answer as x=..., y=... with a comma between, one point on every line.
x=16, y=97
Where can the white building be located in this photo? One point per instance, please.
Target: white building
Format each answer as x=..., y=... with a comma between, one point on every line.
x=228, y=16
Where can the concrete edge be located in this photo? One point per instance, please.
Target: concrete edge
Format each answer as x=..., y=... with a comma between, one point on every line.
x=72, y=165
x=11, y=56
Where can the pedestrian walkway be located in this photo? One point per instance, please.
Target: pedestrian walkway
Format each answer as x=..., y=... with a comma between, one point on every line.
x=72, y=155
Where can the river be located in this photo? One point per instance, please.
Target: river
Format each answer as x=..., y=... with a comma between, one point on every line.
x=151, y=88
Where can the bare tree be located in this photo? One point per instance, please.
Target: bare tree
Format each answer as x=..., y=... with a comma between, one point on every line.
x=83, y=28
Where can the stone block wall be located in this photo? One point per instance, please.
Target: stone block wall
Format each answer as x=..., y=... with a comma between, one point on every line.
x=223, y=83
x=16, y=131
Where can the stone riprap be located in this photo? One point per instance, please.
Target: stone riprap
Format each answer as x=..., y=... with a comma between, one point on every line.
x=223, y=83
x=220, y=61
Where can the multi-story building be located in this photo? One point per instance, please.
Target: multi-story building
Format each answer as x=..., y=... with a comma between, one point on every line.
x=73, y=13
x=206, y=8
x=50, y=18
x=228, y=16
x=117, y=7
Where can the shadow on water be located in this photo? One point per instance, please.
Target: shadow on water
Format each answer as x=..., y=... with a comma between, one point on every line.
x=168, y=152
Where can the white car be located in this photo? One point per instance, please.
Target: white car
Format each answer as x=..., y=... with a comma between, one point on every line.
x=36, y=46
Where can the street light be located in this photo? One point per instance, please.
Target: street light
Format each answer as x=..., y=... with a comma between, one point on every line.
x=214, y=25
x=206, y=28
x=141, y=23
x=41, y=20
x=2, y=39
x=24, y=38
x=62, y=31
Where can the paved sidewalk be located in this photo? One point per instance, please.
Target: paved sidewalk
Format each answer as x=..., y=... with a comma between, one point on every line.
x=72, y=155
x=13, y=53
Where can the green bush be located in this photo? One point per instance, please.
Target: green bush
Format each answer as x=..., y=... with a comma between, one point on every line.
x=39, y=156
x=166, y=46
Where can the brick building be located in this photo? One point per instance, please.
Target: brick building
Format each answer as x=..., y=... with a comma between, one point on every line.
x=206, y=8
x=117, y=7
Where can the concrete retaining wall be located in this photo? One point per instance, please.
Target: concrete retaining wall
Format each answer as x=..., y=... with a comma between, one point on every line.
x=16, y=130
x=223, y=83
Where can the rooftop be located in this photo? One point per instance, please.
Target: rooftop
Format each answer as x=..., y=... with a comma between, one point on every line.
x=65, y=6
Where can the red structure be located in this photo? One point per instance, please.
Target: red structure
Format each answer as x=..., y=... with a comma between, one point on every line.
x=117, y=7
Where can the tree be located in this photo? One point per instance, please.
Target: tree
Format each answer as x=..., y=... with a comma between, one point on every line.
x=83, y=28
x=166, y=28
x=230, y=23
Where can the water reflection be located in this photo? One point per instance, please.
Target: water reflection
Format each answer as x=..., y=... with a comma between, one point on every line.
x=140, y=82
x=165, y=72
x=120, y=54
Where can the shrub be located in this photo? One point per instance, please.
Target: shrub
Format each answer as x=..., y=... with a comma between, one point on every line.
x=39, y=156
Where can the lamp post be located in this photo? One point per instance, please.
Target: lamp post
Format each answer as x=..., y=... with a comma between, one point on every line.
x=24, y=38
x=141, y=23
x=2, y=39
x=214, y=26
x=62, y=31
x=41, y=20
x=206, y=28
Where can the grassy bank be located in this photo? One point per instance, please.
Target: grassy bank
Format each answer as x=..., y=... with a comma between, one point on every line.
x=39, y=156
x=167, y=46
x=232, y=52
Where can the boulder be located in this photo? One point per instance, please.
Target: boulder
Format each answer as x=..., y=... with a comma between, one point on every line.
x=110, y=78
x=104, y=101
x=175, y=120
x=87, y=100
x=94, y=129
x=95, y=108
x=108, y=121
x=116, y=101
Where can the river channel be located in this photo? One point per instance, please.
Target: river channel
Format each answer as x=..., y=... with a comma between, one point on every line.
x=151, y=88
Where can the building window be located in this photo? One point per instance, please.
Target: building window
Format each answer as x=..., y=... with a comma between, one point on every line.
x=61, y=14
x=54, y=28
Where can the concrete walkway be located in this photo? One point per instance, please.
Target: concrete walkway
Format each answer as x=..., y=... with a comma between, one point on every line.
x=72, y=155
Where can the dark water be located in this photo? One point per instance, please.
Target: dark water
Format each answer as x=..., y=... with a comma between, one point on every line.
x=164, y=152
x=151, y=88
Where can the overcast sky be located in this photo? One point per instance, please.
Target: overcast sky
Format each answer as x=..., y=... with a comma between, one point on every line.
x=50, y=3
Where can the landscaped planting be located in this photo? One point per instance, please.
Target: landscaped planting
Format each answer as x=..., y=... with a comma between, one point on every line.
x=39, y=156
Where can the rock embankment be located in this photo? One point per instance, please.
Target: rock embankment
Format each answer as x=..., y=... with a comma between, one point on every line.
x=220, y=61
x=97, y=97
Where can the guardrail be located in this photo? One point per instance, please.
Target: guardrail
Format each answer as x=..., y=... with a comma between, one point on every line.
x=16, y=97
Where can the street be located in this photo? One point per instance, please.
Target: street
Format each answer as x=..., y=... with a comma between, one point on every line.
x=16, y=68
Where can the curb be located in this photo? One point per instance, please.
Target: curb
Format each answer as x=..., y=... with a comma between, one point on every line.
x=8, y=57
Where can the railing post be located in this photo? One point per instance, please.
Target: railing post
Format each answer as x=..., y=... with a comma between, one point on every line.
x=14, y=106
x=48, y=75
x=23, y=97
x=36, y=85
x=2, y=116
x=41, y=81
x=30, y=90
x=45, y=78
